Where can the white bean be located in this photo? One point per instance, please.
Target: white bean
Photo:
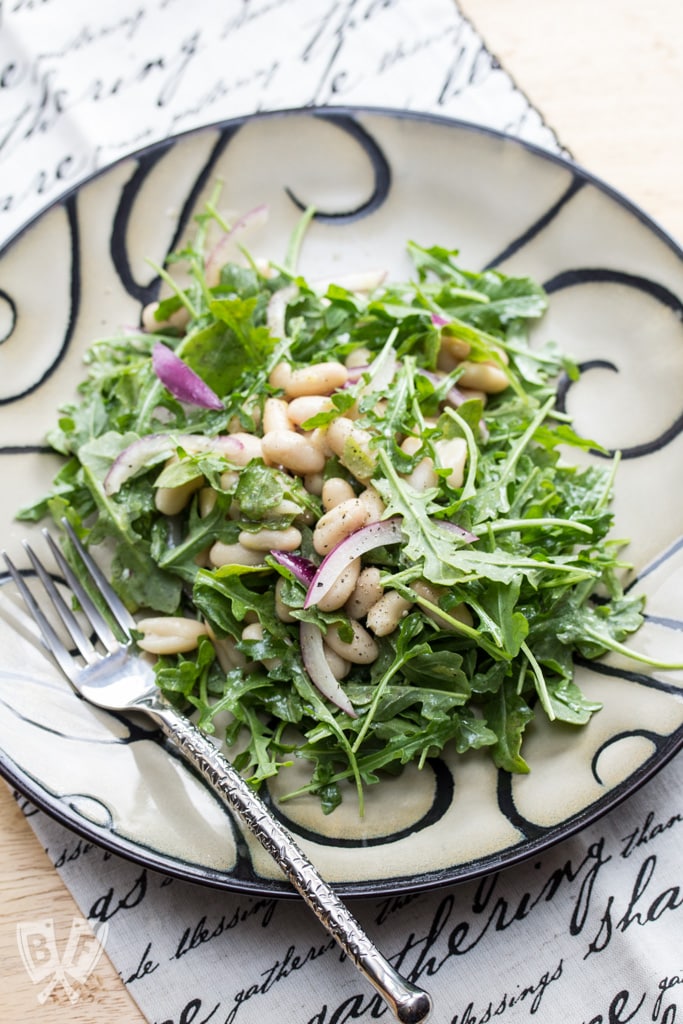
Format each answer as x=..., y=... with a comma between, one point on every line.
x=254, y=631
x=452, y=454
x=276, y=415
x=373, y=503
x=352, y=446
x=471, y=393
x=342, y=431
x=335, y=490
x=233, y=554
x=318, y=438
x=288, y=508
x=367, y=592
x=172, y=500
x=338, y=523
x=169, y=634
x=317, y=379
x=362, y=649
x=227, y=655
x=202, y=558
x=339, y=667
x=342, y=588
x=433, y=594
x=179, y=319
x=313, y=482
x=251, y=448
x=280, y=375
x=423, y=476
x=386, y=614
x=445, y=361
x=229, y=480
x=304, y=408
x=294, y=452
x=281, y=609
x=359, y=357
x=485, y=376
x=457, y=348
x=207, y=501
x=288, y=539
x=411, y=445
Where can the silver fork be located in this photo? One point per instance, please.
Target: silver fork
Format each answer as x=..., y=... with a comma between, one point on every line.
x=119, y=680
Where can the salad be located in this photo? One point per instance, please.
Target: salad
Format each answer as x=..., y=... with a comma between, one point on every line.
x=343, y=511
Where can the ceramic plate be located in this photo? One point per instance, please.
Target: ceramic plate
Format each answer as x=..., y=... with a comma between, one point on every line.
x=80, y=271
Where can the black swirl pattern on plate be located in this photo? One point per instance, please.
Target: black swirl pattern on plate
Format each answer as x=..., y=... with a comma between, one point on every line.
x=506, y=803
x=380, y=166
x=443, y=797
x=146, y=163
x=652, y=737
x=74, y=305
x=538, y=226
x=665, y=297
x=7, y=298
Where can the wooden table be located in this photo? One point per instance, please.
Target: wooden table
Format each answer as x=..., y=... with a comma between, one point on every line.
x=608, y=77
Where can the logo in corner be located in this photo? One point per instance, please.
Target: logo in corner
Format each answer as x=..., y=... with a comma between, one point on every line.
x=45, y=966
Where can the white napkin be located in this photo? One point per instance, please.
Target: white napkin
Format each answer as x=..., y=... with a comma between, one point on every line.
x=590, y=930
x=84, y=84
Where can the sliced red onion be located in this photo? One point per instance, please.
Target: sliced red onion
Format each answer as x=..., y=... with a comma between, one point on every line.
x=277, y=309
x=319, y=671
x=355, y=374
x=455, y=397
x=220, y=254
x=381, y=375
x=301, y=567
x=183, y=383
x=454, y=528
x=439, y=321
x=152, y=448
x=375, y=535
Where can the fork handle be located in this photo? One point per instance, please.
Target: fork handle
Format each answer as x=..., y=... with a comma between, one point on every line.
x=409, y=1004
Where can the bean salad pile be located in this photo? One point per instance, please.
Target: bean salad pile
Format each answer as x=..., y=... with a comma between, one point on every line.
x=342, y=511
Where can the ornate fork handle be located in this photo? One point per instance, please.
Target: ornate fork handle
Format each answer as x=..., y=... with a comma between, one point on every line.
x=409, y=1004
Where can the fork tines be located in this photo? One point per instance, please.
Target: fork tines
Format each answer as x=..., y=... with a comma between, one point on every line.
x=96, y=620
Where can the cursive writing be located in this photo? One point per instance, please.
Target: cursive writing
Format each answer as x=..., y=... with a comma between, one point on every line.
x=146, y=965
x=111, y=902
x=202, y=932
x=531, y=993
x=619, y=1011
x=282, y=968
x=132, y=72
x=665, y=985
x=392, y=906
x=648, y=831
x=193, y=1013
x=72, y=853
x=449, y=935
x=642, y=908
